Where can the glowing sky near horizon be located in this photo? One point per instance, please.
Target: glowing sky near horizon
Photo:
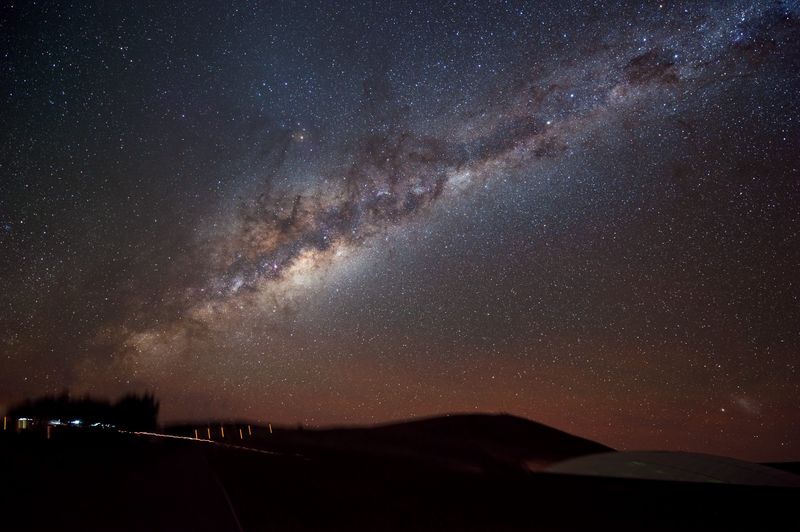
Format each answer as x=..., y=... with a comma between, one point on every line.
x=339, y=212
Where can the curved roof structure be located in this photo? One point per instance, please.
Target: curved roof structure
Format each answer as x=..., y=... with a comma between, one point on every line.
x=676, y=466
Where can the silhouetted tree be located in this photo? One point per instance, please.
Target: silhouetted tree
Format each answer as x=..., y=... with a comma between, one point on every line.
x=131, y=412
x=137, y=413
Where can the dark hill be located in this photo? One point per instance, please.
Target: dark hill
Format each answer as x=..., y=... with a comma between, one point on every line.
x=790, y=467
x=471, y=441
x=466, y=442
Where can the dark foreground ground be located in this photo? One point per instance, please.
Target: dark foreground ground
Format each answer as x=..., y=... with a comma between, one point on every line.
x=108, y=481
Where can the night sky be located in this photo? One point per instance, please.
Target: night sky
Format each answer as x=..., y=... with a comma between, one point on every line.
x=325, y=213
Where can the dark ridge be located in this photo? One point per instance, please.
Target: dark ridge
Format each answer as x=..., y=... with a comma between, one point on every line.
x=463, y=442
x=790, y=467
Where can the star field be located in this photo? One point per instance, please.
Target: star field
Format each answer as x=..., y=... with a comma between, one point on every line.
x=582, y=213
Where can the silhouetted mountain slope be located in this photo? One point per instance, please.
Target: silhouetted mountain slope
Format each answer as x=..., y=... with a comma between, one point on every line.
x=791, y=467
x=468, y=442
x=481, y=441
